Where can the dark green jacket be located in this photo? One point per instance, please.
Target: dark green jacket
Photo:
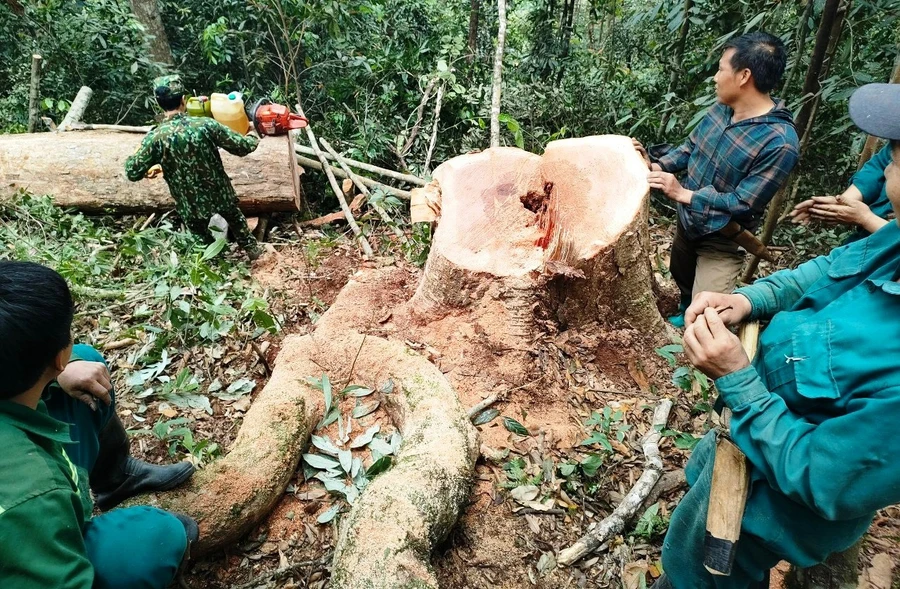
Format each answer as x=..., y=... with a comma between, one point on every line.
x=817, y=411
x=44, y=503
x=187, y=149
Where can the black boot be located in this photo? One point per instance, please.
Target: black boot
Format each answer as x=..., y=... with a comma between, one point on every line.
x=117, y=476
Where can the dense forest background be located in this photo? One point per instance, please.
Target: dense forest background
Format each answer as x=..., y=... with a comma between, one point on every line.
x=572, y=67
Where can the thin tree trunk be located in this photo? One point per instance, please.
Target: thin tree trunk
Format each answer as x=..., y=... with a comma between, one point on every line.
x=33, y=110
x=498, y=74
x=434, y=130
x=871, y=142
x=474, y=13
x=812, y=85
x=802, y=33
x=677, y=59
x=148, y=14
x=76, y=110
x=827, y=37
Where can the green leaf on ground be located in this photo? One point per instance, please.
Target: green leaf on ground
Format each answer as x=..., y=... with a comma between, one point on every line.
x=514, y=426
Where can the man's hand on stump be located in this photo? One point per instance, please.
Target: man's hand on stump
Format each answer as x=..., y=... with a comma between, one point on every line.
x=670, y=186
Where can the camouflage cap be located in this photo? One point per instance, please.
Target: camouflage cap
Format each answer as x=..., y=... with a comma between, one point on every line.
x=168, y=86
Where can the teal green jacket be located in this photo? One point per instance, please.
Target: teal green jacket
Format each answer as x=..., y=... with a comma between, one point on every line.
x=817, y=412
x=40, y=489
x=869, y=180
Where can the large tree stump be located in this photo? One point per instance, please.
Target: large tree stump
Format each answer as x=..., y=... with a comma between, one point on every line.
x=563, y=235
x=86, y=170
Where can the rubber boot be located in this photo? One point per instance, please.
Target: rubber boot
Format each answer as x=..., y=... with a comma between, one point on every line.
x=117, y=475
x=192, y=530
x=663, y=583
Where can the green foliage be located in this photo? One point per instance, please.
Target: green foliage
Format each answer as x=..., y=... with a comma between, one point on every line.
x=179, y=438
x=651, y=524
x=601, y=426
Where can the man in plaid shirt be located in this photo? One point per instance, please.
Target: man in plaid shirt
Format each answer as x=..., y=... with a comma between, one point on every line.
x=736, y=160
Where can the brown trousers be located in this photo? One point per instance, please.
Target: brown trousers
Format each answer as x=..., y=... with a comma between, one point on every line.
x=712, y=263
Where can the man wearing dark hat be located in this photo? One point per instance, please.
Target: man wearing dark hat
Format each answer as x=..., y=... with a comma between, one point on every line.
x=187, y=149
x=815, y=412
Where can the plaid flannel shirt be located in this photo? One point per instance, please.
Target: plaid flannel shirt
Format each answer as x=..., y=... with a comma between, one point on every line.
x=733, y=169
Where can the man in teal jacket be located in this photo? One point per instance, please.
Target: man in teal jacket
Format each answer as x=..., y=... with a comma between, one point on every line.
x=864, y=204
x=61, y=439
x=816, y=410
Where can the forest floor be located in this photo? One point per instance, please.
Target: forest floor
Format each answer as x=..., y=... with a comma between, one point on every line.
x=576, y=458
x=504, y=538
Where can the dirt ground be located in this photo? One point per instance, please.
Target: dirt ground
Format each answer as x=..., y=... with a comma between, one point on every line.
x=498, y=542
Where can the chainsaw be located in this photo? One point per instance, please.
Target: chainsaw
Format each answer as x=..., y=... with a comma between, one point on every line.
x=274, y=119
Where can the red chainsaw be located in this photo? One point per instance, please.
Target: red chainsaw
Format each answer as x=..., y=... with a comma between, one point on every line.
x=274, y=119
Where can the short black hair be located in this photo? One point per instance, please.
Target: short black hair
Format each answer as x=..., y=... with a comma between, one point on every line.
x=36, y=313
x=168, y=103
x=761, y=53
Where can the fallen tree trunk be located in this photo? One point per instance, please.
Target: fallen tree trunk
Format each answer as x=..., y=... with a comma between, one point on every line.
x=86, y=171
x=565, y=233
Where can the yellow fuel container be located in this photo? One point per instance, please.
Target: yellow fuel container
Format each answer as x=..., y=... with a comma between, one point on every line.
x=228, y=109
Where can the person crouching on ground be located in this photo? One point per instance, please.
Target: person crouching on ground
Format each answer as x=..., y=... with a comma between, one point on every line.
x=61, y=439
x=187, y=150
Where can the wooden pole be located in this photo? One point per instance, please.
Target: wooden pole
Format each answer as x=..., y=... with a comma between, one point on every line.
x=317, y=165
x=76, y=111
x=348, y=214
x=474, y=9
x=33, y=110
x=363, y=189
x=434, y=131
x=408, y=178
x=498, y=75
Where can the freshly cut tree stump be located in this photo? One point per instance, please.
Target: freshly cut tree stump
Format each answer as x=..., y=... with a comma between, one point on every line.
x=564, y=235
x=86, y=170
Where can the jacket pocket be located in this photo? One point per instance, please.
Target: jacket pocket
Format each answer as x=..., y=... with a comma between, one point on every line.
x=812, y=361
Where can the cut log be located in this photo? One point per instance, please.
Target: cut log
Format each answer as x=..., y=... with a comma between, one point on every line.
x=86, y=171
x=77, y=108
x=566, y=232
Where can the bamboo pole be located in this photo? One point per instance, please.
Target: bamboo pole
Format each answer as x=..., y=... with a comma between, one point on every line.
x=33, y=110
x=317, y=165
x=498, y=75
x=364, y=190
x=408, y=178
x=434, y=131
x=348, y=214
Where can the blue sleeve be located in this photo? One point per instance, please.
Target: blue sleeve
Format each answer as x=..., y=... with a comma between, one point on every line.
x=677, y=159
x=769, y=171
x=780, y=291
x=870, y=179
x=837, y=468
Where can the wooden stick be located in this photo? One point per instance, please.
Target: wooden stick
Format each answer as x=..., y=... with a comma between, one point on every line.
x=333, y=217
x=599, y=533
x=364, y=243
x=363, y=190
x=409, y=179
x=482, y=405
x=498, y=75
x=99, y=127
x=317, y=165
x=434, y=130
x=33, y=110
x=420, y=114
x=76, y=111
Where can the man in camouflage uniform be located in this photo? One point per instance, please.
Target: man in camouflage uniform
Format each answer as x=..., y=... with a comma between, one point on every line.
x=186, y=148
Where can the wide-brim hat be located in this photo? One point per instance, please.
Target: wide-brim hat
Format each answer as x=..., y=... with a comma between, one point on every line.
x=875, y=108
